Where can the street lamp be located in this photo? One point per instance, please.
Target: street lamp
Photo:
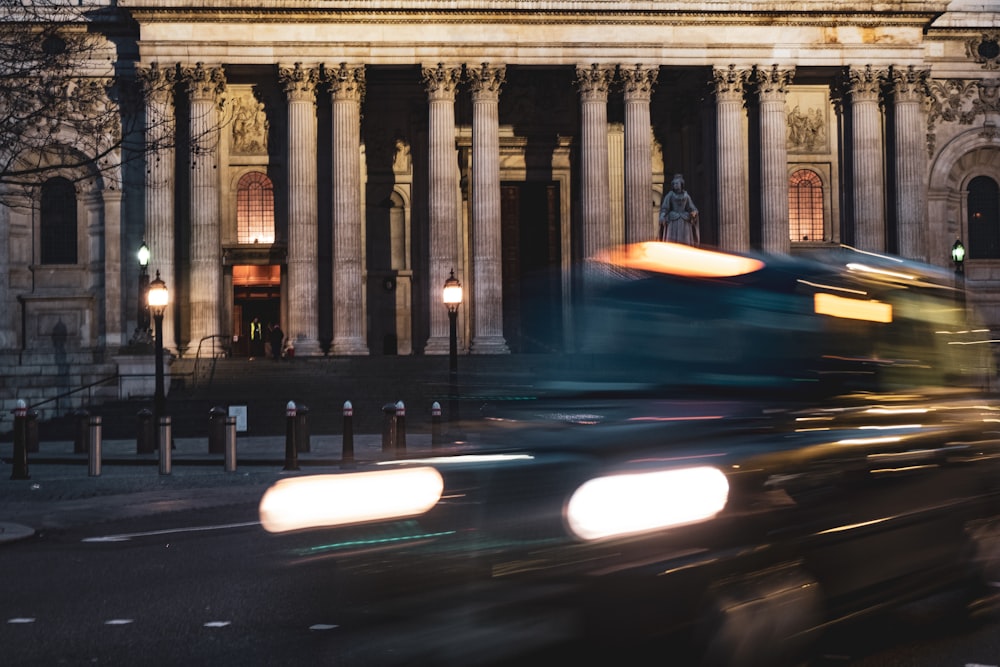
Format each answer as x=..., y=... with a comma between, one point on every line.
x=452, y=297
x=142, y=314
x=157, y=298
x=958, y=256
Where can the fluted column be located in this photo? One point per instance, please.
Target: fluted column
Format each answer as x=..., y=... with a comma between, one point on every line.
x=909, y=91
x=595, y=208
x=487, y=276
x=302, y=326
x=867, y=148
x=639, y=223
x=158, y=91
x=771, y=89
x=204, y=85
x=347, y=87
x=442, y=183
x=733, y=170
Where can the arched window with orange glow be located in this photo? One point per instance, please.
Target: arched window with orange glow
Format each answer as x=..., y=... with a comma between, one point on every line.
x=805, y=206
x=984, y=218
x=255, y=209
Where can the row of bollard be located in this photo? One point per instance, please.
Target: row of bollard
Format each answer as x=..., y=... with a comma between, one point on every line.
x=222, y=435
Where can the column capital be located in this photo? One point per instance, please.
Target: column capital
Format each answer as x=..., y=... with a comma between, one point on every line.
x=865, y=83
x=594, y=80
x=909, y=84
x=772, y=84
x=730, y=83
x=486, y=80
x=347, y=82
x=157, y=82
x=638, y=82
x=203, y=83
x=441, y=81
x=298, y=82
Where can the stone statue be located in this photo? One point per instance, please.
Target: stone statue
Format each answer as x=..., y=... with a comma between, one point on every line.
x=679, y=215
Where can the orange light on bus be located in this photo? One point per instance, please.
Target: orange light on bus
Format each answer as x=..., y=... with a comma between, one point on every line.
x=680, y=260
x=854, y=309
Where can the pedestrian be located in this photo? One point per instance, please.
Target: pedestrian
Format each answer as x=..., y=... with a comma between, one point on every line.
x=256, y=339
x=277, y=337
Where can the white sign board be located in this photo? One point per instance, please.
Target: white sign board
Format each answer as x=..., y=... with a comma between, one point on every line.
x=240, y=412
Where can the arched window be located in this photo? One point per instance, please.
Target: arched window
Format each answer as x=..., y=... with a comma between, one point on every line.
x=57, y=225
x=805, y=206
x=984, y=218
x=255, y=209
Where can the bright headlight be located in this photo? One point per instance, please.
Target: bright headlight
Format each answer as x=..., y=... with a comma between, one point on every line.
x=631, y=503
x=318, y=501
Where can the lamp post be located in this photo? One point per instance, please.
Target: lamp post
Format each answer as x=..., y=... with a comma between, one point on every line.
x=157, y=298
x=452, y=297
x=958, y=257
x=142, y=316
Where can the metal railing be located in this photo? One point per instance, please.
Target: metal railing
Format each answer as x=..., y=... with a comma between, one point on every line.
x=206, y=356
x=72, y=392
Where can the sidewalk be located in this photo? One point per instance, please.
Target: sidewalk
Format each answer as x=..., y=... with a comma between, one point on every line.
x=61, y=491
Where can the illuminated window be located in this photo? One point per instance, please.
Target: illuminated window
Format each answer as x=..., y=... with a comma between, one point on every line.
x=805, y=206
x=58, y=222
x=255, y=209
x=984, y=218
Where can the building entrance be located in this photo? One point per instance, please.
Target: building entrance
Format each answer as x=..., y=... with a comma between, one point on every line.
x=532, y=289
x=256, y=294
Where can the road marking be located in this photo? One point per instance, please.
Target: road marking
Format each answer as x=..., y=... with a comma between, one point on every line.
x=125, y=537
x=323, y=626
x=118, y=621
x=217, y=624
x=20, y=620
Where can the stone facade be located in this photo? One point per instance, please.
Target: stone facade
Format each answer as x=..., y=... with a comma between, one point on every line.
x=504, y=140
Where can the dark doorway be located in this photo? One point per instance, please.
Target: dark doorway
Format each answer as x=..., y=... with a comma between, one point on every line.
x=532, y=290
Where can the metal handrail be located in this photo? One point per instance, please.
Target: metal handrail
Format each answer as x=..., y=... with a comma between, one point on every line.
x=71, y=392
x=225, y=347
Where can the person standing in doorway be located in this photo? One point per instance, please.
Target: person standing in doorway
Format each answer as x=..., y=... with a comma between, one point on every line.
x=256, y=339
x=277, y=337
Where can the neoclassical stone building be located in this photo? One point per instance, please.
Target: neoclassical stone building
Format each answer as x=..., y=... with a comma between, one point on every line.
x=330, y=163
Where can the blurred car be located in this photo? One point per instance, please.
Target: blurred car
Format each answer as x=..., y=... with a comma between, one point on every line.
x=744, y=451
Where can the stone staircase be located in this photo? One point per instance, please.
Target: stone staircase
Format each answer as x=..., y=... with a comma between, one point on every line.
x=263, y=388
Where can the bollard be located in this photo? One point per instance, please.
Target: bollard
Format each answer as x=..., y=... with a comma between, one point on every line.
x=435, y=424
x=94, y=458
x=20, y=462
x=166, y=436
x=145, y=437
x=389, y=428
x=291, y=451
x=81, y=440
x=400, y=428
x=31, y=431
x=230, y=462
x=216, y=430
x=347, y=452
x=302, y=427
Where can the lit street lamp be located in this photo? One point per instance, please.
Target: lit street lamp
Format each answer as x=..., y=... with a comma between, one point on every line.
x=452, y=297
x=157, y=298
x=142, y=316
x=958, y=257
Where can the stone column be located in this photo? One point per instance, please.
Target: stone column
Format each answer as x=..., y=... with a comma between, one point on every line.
x=158, y=91
x=909, y=92
x=639, y=224
x=771, y=87
x=867, y=146
x=487, y=276
x=299, y=84
x=443, y=196
x=733, y=170
x=114, y=334
x=204, y=85
x=347, y=88
x=595, y=178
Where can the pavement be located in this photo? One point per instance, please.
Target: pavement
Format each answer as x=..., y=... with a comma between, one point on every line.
x=62, y=488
